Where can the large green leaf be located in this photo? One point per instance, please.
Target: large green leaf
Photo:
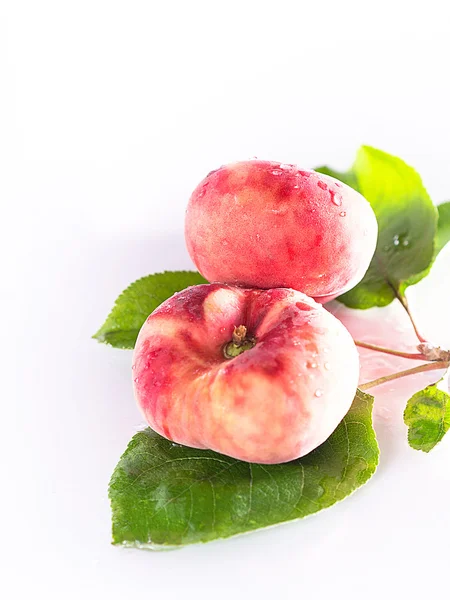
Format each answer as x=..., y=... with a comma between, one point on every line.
x=133, y=306
x=427, y=416
x=406, y=223
x=163, y=494
x=443, y=232
x=440, y=240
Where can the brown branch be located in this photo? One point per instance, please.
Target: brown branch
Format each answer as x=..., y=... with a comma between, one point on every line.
x=414, y=356
x=433, y=366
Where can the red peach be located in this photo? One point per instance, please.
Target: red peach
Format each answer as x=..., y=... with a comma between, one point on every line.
x=268, y=391
x=265, y=224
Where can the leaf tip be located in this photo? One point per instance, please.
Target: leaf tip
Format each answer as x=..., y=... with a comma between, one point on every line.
x=99, y=337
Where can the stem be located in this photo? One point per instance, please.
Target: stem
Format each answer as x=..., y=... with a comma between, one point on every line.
x=415, y=356
x=433, y=366
x=404, y=303
x=239, y=334
x=240, y=343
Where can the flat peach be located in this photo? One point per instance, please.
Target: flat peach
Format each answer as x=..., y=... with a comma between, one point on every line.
x=265, y=224
x=261, y=375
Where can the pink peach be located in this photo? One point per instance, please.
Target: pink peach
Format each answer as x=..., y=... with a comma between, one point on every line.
x=265, y=224
x=261, y=375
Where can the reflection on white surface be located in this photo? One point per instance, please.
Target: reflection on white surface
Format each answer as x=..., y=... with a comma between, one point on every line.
x=390, y=327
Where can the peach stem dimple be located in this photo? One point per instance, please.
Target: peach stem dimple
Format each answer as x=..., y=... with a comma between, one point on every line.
x=239, y=343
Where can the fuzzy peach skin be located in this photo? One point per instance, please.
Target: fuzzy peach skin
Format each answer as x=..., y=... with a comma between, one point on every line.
x=265, y=224
x=274, y=402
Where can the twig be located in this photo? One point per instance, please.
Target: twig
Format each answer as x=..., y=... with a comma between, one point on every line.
x=433, y=366
x=404, y=303
x=414, y=356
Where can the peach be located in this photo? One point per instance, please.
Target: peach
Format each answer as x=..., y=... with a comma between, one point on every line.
x=265, y=224
x=260, y=375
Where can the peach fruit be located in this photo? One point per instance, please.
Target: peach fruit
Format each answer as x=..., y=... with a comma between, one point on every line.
x=265, y=224
x=261, y=375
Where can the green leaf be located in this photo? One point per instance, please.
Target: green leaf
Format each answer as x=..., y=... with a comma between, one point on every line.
x=406, y=227
x=441, y=238
x=133, y=306
x=166, y=495
x=347, y=177
x=427, y=416
x=443, y=231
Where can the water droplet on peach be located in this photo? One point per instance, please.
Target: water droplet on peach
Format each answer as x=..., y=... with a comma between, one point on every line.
x=335, y=198
x=342, y=213
x=318, y=393
x=327, y=366
x=277, y=172
x=136, y=379
x=322, y=185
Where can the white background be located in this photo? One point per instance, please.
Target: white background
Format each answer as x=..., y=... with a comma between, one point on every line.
x=110, y=113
